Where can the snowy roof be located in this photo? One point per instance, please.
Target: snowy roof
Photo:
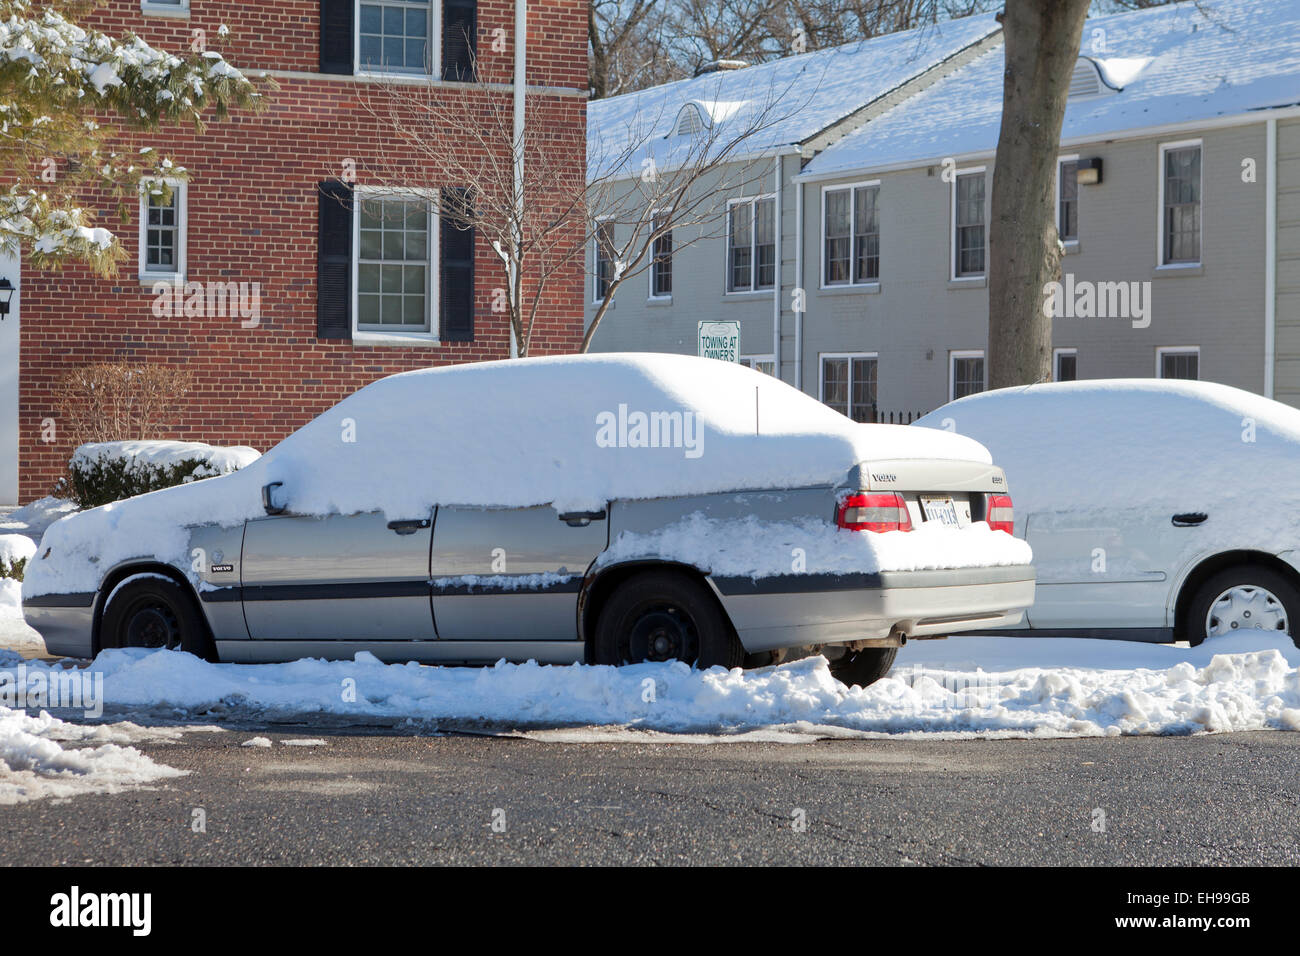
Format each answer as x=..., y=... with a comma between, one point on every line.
x=1173, y=64
x=802, y=95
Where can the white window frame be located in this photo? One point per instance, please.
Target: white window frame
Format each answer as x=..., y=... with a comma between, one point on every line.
x=596, y=297
x=753, y=202
x=650, y=273
x=1056, y=358
x=853, y=216
x=435, y=45
x=750, y=360
x=1160, y=207
x=953, y=356
x=952, y=225
x=821, y=374
x=419, y=194
x=180, y=189
x=1164, y=350
x=1061, y=161
x=160, y=8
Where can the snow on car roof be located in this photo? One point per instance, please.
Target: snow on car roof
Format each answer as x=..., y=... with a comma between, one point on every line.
x=1177, y=63
x=1140, y=441
x=574, y=431
x=802, y=95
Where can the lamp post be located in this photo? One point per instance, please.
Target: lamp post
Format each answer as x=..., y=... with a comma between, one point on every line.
x=6, y=296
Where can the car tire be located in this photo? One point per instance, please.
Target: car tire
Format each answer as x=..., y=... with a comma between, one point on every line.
x=865, y=667
x=149, y=610
x=663, y=616
x=1280, y=605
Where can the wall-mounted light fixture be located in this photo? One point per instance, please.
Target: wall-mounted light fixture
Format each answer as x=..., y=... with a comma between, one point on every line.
x=6, y=296
x=1089, y=171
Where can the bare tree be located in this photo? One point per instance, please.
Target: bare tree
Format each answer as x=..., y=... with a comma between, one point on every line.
x=625, y=45
x=536, y=233
x=645, y=187
x=1042, y=43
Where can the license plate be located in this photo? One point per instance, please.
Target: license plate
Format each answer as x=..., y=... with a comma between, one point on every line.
x=940, y=509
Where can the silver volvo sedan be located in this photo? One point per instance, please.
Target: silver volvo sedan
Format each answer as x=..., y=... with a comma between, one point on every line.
x=609, y=509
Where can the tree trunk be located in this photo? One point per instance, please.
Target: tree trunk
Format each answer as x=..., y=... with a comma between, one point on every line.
x=1042, y=43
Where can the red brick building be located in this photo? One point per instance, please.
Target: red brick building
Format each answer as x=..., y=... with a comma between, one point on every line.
x=347, y=291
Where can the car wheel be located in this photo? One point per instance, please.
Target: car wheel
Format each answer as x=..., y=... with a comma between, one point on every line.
x=1240, y=598
x=864, y=667
x=153, y=611
x=665, y=616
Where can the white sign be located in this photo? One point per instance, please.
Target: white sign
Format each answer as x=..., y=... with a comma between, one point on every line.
x=720, y=340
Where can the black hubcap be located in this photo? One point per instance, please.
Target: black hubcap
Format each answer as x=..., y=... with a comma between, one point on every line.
x=663, y=633
x=152, y=624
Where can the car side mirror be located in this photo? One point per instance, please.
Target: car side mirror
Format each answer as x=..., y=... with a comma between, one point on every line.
x=268, y=504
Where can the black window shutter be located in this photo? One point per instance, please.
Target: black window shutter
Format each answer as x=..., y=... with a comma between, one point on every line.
x=336, y=30
x=456, y=273
x=459, y=39
x=334, y=262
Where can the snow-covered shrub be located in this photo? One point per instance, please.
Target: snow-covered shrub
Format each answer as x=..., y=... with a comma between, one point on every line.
x=103, y=472
x=15, y=551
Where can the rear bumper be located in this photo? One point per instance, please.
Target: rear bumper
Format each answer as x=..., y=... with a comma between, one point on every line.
x=64, y=621
x=794, y=610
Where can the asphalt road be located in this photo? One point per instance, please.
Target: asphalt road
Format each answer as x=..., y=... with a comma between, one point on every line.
x=375, y=797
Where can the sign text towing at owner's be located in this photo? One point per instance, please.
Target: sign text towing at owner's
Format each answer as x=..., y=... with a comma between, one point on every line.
x=719, y=340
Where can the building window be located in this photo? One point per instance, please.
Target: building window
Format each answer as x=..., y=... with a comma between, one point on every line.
x=661, y=264
x=395, y=36
x=1065, y=365
x=395, y=264
x=1067, y=200
x=1180, y=219
x=965, y=374
x=166, y=7
x=751, y=245
x=163, y=232
x=968, y=224
x=759, y=363
x=851, y=228
x=604, y=258
x=1184, y=363
x=849, y=385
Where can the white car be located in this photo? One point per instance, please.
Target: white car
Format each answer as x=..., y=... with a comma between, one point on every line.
x=1157, y=510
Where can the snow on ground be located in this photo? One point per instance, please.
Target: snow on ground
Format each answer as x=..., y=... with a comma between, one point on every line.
x=42, y=756
x=962, y=687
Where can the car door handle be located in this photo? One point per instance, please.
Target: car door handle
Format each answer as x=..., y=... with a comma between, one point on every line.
x=580, y=519
x=1189, y=518
x=408, y=527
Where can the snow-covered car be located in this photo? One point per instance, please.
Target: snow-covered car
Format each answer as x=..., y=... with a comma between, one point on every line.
x=1157, y=510
x=612, y=509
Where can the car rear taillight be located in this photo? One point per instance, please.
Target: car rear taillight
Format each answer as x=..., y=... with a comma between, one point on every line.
x=873, y=511
x=998, y=513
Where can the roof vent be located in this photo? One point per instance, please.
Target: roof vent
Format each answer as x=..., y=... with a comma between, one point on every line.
x=720, y=66
x=1085, y=81
x=689, y=121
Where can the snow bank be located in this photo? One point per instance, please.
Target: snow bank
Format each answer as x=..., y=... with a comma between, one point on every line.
x=1247, y=682
x=166, y=454
x=571, y=431
x=752, y=548
x=11, y=598
x=36, y=761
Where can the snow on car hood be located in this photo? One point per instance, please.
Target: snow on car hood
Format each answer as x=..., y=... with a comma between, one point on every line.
x=571, y=431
